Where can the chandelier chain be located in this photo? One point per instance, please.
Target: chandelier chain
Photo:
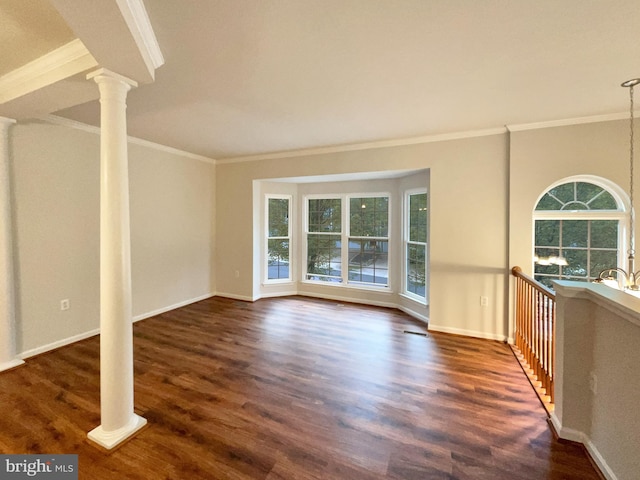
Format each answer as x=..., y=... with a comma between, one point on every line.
x=631, y=165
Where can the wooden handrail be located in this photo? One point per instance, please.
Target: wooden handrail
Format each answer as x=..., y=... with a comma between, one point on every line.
x=535, y=309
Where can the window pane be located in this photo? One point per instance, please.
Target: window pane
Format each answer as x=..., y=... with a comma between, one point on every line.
x=543, y=265
x=601, y=260
x=369, y=217
x=278, y=217
x=574, y=233
x=278, y=260
x=596, y=197
x=546, y=281
x=585, y=192
x=575, y=206
x=369, y=261
x=416, y=270
x=325, y=215
x=604, y=233
x=577, y=196
x=418, y=217
x=565, y=192
x=547, y=202
x=604, y=201
x=547, y=233
x=323, y=256
x=577, y=263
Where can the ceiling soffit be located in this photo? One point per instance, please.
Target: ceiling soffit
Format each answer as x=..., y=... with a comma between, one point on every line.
x=106, y=29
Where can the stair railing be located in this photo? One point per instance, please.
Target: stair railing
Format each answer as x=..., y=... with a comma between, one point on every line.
x=535, y=312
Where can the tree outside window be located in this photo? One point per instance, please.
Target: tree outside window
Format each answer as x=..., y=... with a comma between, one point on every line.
x=416, y=245
x=369, y=240
x=278, y=238
x=577, y=228
x=324, y=239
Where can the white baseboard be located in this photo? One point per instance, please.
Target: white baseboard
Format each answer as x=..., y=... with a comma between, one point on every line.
x=59, y=343
x=580, y=437
x=600, y=461
x=96, y=331
x=567, y=433
x=277, y=294
x=233, y=296
x=339, y=298
x=414, y=314
x=16, y=362
x=467, y=333
x=143, y=316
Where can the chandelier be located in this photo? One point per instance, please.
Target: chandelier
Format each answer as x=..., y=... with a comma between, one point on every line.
x=618, y=277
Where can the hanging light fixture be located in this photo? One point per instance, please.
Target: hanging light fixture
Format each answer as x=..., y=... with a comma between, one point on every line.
x=618, y=277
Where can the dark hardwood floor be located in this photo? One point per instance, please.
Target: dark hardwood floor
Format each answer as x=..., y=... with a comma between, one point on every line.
x=294, y=388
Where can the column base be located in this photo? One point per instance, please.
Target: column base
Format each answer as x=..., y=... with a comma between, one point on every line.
x=113, y=438
x=11, y=364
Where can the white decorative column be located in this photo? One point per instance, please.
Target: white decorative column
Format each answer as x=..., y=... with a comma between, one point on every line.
x=119, y=421
x=8, y=357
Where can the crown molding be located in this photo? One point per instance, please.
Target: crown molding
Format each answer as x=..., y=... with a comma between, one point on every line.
x=443, y=137
x=63, y=62
x=567, y=122
x=65, y=122
x=167, y=149
x=137, y=19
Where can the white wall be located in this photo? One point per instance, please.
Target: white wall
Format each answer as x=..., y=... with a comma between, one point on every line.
x=171, y=229
x=598, y=333
x=56, y=204
x=55, y=176
x=468, y=235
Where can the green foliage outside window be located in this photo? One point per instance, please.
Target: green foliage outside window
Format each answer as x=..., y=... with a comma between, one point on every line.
x=416, y=266
x=368, y=240
x=324, y=261
x=588, y=245
x=278, y=239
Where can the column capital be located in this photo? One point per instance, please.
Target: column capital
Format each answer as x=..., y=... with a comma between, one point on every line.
x=103, y=74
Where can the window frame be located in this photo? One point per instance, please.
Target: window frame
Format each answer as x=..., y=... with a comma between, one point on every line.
x=306, y=233
x=345, y=201
x=289, y=237
x=621, y=215
x=374, y=238
x=406, y=241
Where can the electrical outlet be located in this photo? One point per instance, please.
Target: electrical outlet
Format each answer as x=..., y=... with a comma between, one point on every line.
x=484, y=301
x=64, y=304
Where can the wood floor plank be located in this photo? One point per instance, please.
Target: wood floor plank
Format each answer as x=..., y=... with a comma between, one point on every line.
x=294, y=388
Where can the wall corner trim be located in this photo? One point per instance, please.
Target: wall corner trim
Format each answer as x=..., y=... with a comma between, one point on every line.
x=466, y=333
x=159, y=311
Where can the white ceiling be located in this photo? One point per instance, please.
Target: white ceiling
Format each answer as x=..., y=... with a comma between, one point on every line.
x=245, y=77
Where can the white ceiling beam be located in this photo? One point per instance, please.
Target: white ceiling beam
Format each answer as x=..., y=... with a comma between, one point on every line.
x=118, y=34
x=61, y=63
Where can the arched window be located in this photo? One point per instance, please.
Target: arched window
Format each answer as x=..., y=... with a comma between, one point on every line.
x=579, y=226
